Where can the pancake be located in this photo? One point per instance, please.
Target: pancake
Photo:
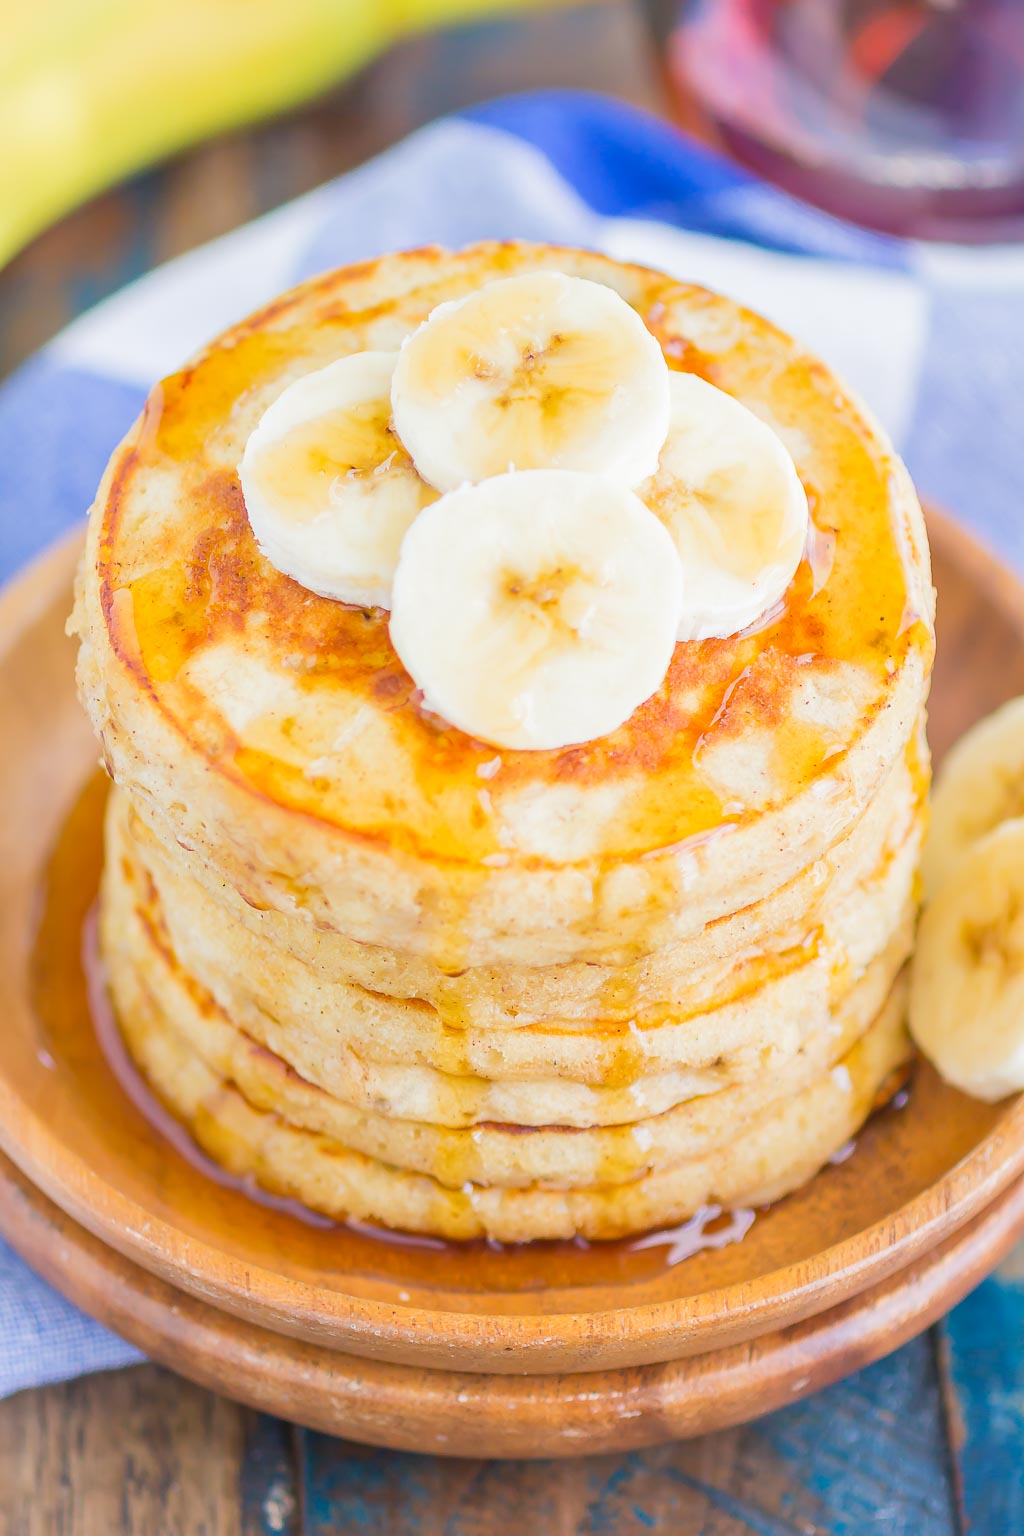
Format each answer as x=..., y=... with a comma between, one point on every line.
x=378, y=966
x=276, y=736
x=686, y=976
x=365, y=1050
x=562, y=1156
x=756, y=1165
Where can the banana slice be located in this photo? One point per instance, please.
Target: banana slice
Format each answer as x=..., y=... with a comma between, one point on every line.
x=542, y=371
x=967, y=980
x=329, y=489
x=729, y=494
x=980, y=784
x=538, y=609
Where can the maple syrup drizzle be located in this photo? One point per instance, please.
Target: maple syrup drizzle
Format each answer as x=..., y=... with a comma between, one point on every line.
x=709, y=1229
x=820, y=554
x=163, y=618
x=203, y=592
x=70, y=983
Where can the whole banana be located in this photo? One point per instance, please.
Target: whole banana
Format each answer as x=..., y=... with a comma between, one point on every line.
x=91, y=90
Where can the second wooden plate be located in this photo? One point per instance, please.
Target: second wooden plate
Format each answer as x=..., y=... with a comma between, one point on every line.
x=448, y=1413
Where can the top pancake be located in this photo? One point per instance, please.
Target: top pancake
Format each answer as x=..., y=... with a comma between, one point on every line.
x=276, y=735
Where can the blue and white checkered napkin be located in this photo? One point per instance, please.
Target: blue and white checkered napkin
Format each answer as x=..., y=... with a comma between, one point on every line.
x=932, y=337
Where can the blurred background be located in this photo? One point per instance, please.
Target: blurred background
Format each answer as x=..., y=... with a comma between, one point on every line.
x=134, y=129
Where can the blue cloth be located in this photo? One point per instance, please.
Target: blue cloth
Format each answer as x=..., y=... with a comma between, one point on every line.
x=932, y=337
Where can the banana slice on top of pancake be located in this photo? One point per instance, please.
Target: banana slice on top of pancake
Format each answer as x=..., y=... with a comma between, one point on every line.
x=539, y=371
x=728, y=492
x=537, y=609
x=329, y=489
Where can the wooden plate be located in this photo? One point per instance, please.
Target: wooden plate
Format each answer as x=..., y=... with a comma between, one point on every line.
x=410, y=1408
x=918, y=1174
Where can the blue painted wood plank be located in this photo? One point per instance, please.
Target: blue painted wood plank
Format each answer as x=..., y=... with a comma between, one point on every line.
x=868, y=1454
x=982, y=1343
x=267, y=1477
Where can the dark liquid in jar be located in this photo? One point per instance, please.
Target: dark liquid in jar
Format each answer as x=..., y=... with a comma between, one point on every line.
x=904, y=115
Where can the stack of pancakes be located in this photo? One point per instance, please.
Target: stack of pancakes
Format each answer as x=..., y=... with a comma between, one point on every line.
x=406, y=978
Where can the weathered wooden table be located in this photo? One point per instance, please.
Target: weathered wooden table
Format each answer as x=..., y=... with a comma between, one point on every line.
x=928, y=1442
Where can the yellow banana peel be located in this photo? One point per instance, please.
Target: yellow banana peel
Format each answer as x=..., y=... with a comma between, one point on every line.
x=91, y=90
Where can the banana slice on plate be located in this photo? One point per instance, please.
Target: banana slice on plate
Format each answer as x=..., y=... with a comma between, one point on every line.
x=728, y=492
x=538, y=609
x=980, y=784
x=329, y=489
x=540, y=371
x=967, y=978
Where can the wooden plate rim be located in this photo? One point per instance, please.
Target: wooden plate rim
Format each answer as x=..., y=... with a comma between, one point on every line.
x=412, y=1408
